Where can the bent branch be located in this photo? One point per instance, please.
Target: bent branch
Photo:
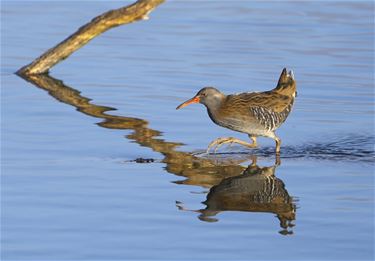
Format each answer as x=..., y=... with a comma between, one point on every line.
x=128, y=14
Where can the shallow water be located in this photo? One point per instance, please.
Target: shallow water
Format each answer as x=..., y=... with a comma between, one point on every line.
x=98, y=164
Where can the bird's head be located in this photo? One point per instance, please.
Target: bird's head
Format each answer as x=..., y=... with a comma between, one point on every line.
x=209, y=96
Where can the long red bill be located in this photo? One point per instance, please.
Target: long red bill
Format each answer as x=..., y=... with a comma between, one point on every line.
x=192, y=100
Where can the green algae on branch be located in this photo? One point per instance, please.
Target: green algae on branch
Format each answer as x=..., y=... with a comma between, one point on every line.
x=128, y=14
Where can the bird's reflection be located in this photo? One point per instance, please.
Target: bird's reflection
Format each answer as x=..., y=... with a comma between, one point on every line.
x=232, y=186
x=252, y=189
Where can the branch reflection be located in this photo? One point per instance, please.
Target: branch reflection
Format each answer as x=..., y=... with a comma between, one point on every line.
x=232, y=186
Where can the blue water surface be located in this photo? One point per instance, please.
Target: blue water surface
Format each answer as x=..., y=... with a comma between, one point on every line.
x=73, y=187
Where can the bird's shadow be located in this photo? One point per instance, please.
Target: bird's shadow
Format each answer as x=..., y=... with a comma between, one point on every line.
x=253, y=189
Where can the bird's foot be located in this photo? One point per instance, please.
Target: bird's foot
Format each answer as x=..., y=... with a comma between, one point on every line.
x=221, y=141
x=214, y=143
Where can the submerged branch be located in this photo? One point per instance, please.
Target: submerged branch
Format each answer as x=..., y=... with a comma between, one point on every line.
x=135, y=12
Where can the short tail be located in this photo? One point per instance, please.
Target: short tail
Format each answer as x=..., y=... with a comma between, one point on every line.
x=287, y=84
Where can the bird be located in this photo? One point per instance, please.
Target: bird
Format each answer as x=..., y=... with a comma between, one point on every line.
x=252, y=113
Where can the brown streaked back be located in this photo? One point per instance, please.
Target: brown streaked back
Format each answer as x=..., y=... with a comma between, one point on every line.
x=269, y=109
x=269, y=100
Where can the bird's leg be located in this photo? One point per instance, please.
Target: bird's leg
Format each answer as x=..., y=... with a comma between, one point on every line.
x=253, y=145
x=254, y=139
x=253, y=160
x=277, y=160
x=278, y=144
x=220, y=141
x=273, y=136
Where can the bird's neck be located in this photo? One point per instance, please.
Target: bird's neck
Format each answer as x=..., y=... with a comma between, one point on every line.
x=216, y=102
x=214, y=107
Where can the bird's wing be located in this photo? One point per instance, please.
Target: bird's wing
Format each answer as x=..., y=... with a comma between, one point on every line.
x=269, y=109
x=271, y=101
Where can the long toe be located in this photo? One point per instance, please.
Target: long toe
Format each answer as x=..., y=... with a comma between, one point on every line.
x=218, y=142
x=224, y=141
x=212, y=144
x=219, y=145
x=221, y=141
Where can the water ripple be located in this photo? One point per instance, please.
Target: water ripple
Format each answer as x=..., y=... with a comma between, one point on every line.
x=349, y=148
